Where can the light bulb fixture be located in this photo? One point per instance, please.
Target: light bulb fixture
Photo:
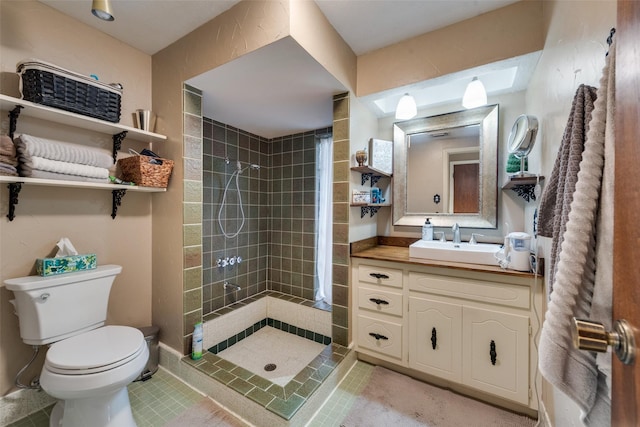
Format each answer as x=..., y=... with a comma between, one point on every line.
x=102, y=10
x=406, y=108
x=475, y=95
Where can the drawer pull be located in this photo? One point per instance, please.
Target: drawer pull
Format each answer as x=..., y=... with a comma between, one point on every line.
x=379, y=275
x=378, y=336
x=378, y=301
x=434, y=338
x=492, y=352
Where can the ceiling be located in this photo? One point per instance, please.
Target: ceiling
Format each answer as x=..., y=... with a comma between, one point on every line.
x=293, y=93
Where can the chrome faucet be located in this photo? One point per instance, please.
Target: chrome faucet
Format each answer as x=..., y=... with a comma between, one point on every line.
x=456, y=233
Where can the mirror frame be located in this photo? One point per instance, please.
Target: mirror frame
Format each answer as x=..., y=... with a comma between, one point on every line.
x=487, y=118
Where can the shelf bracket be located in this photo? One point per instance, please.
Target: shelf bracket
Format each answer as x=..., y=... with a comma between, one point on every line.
x=13, y=120
x=371, y=210
x=369, y=176
x=526, y=191
x=14, y=190
x=117, y=143
x=117, y=196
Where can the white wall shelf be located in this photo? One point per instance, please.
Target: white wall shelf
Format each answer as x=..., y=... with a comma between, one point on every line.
x=118, y=191
x=19, y=107
x=55, y=115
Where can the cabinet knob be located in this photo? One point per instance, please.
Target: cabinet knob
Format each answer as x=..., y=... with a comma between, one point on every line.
x=378, y=301
x=379, y=275
x=434, y=338
x=592, y=336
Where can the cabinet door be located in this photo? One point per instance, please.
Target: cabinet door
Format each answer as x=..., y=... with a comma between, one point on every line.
x=435, y=338
x=496, y=353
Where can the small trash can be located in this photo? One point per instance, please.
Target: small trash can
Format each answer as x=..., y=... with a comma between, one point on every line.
x=151, y=337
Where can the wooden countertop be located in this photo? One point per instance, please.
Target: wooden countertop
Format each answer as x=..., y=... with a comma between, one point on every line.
x=401, y=254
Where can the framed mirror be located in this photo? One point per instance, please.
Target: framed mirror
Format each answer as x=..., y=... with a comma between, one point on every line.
x=446, y=168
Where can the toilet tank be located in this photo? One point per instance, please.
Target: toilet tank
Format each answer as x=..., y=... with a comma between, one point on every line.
x=57, y=307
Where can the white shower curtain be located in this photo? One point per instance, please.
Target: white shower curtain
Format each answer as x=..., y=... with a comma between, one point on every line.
x=324, y=209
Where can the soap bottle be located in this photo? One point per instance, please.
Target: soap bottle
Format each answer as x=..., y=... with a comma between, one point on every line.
x=427, y=230
x=196, y=347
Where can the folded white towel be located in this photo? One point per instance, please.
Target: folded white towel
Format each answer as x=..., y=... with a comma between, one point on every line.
x=35, y=173
x=64, y=151
x=68, y=168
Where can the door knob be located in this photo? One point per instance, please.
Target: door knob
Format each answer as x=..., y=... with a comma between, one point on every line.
x=592, y=336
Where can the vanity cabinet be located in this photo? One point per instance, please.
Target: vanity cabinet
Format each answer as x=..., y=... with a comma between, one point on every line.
x=473, y=330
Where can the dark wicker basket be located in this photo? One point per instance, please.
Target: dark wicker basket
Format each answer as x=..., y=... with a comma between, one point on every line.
x=53, y=89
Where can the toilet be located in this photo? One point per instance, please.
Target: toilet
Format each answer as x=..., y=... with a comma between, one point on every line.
x=88, y=365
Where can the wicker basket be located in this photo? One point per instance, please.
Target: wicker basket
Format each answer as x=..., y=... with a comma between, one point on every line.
x=140, y=170
x=49, y=85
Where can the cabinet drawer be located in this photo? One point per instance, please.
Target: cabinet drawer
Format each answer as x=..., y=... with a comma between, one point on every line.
x=380, y=301
x=380, y=275
x=496, y=353
x=380, y=335
x=474, y=290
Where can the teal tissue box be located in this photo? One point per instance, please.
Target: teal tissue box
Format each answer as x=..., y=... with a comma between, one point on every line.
x=67, y=264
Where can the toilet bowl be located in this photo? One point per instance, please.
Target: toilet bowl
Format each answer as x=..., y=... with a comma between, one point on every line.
x=90, y=373
x=88, y=365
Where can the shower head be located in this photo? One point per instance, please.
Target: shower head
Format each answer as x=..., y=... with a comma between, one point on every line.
x=254, y=166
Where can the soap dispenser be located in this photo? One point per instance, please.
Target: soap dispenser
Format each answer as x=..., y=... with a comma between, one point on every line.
x=427, y=230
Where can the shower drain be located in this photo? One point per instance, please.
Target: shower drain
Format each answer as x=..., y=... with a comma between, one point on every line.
x=270, y=367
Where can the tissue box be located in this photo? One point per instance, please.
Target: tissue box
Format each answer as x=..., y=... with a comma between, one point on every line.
x=65, y=264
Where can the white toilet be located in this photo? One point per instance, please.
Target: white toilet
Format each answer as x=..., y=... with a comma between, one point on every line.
x=89, y=365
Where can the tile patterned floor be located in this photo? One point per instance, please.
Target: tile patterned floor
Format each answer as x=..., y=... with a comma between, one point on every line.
x=154, y=402
x=273, y=346
x=158, y=401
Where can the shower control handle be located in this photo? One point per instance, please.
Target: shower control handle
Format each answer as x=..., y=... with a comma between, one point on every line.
x=592, y=336
x=232, y=260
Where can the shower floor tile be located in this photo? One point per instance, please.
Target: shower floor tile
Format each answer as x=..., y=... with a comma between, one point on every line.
x=290, y=353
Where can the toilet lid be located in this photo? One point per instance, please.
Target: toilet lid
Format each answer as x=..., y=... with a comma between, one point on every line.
x=95, y=351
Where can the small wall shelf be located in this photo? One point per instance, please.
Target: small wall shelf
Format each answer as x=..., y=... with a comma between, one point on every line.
x=523, y=186
x=370, y=174
x=370, y=208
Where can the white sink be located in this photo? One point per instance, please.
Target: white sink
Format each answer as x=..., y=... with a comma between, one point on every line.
x=480, y=253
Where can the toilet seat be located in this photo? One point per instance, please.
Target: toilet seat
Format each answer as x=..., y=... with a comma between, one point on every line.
x=98, y=350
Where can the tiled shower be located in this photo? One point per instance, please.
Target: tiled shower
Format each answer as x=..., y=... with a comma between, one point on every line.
x=277, y=242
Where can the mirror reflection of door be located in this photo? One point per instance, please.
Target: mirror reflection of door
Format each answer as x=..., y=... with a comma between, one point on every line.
x=465, y=181
x=430, y=157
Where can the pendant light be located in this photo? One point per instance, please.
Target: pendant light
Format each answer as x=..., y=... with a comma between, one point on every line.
x=406, y=108
x=102, y=10
x=475, y=95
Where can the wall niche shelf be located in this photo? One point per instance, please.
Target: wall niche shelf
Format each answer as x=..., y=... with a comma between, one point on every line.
x=523, y=186
x=19, y=107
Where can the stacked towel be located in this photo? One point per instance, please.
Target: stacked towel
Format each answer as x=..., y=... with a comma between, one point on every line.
x=8, y=159
x=46, y=158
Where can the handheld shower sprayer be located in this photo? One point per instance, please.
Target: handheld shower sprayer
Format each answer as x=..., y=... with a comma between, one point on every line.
x=236, y=173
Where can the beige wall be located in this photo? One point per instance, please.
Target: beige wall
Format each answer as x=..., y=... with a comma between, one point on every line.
x=574, y=54
x=504, y=33
x=243, y=28
x=29, y=29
